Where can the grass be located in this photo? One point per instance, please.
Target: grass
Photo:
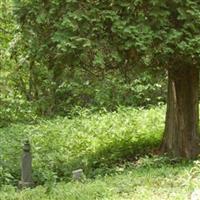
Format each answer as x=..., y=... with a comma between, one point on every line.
x=144, y=180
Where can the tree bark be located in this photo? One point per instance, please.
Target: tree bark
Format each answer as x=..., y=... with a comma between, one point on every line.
x=181, y=135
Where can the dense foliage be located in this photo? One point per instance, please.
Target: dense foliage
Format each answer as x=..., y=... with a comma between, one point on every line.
x=108, y=34
x=51, y=62
x=29, y=90
x=94, y=142
x=72, y=53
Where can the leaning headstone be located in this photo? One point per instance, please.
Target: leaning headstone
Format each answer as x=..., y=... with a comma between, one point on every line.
x=26, y=167
x=78, y=175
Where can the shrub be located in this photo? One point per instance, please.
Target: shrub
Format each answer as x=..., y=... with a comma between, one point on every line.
x=13, y=108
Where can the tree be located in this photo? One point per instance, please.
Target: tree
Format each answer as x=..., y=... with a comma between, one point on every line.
x=6, y=27
x=109, y=34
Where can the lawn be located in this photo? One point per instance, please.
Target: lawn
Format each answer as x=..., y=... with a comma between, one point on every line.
x=150, y=178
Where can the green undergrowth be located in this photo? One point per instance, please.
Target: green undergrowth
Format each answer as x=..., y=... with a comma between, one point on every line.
x=150, y=178
x=95, y=142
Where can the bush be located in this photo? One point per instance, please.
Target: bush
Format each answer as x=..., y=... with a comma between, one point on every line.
x=15, y=109
x=144, y=90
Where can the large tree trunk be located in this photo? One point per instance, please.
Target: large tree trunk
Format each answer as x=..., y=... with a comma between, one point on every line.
x=181, y=136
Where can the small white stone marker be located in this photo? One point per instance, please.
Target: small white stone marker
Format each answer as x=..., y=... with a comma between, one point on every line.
x=195, y=194
x=77, y=175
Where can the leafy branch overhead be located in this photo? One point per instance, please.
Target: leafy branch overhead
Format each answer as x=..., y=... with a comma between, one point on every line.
x=94, y=32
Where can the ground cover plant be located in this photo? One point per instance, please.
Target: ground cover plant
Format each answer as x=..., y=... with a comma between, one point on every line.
x=92, y=141
x=149, y=178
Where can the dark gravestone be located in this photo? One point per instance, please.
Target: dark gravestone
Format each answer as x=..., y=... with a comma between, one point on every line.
x=26, y=167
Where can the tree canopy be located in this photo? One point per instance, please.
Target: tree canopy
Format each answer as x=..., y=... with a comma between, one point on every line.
x=110, y=33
